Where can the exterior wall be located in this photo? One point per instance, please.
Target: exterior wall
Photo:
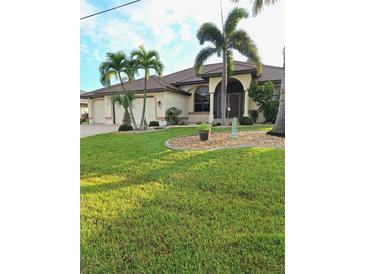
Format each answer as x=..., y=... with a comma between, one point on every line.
x=153, y=111
x=174, y=100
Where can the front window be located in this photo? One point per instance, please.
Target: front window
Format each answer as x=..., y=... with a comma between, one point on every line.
x=202, y=99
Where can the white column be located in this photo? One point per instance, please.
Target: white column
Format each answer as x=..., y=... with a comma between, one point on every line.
x=90, y=110
x=245, y=110
x=211, y=107
x=108, y=110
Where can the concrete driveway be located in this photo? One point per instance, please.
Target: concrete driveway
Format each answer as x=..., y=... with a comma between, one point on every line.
x=94, y=129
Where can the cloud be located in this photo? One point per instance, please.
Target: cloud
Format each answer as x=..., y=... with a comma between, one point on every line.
x=169, y=26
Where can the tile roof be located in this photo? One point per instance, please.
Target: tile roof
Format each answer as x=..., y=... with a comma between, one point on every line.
x=172, y=81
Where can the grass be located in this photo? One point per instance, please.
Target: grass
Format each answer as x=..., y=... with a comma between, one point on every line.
x=147, y=209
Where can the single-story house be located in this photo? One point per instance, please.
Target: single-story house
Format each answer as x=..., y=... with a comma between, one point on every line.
x=83, y=104
x=198, y=97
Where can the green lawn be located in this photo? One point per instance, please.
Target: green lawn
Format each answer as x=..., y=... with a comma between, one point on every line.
x=147, y=209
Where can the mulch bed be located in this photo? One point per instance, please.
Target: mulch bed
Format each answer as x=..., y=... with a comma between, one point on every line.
x=223, y=140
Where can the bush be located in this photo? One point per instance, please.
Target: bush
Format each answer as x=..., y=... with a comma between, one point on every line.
x=154, y=124
x=204, y=127
x=254, y=114
x=263, y=96
x=217, y=124
x=199, y=122
x=245, y=120
x=172, y=116
x=125, y=127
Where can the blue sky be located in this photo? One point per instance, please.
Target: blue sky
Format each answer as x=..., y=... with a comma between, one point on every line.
x=169, y=27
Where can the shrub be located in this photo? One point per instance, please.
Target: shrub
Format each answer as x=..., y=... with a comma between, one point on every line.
x=254, y=114
x=264, y=96
x=125, y=127
x=217, y=124
x=182, y=122
x=172, y=116
x=204, y=127
x=199, y=122
x=154, y=124
x=245, y=120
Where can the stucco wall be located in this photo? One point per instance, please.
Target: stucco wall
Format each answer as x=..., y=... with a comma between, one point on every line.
x=175, y=100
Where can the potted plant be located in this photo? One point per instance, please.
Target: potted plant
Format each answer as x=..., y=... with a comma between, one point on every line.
x=204, y=132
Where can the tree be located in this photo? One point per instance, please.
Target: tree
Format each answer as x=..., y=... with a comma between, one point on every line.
x=115, y=64
x=263, y=96
x=224, y=42
x=125, y=101
x=279, y=126
x=146, y=61
x=258, y=5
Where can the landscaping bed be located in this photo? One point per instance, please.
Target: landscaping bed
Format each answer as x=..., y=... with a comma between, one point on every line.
x=224, y=140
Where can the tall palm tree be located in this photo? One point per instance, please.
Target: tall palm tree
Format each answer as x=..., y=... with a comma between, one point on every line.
x=115, y=64
x=279, y=126
x=125, y=101
x=146, y=61
x=224, y=42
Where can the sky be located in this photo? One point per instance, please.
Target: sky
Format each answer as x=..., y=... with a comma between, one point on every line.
x=170, y=27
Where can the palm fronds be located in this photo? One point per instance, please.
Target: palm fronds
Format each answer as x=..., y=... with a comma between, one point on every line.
x=209, y=32
x=233, y=19
x=202, y=56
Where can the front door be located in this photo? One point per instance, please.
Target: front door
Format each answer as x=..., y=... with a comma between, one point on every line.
x=234, y=104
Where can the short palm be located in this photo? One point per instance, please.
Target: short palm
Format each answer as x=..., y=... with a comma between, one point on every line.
x=146, y=61
x=114, y=66
x=223, y=44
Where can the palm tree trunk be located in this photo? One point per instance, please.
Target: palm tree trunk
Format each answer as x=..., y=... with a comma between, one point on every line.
x=144, y=100
x=129, y=103
x=224, y=88
x=279, y=127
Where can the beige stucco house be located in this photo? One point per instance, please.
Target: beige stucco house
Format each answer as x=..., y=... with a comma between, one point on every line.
x=198, y=97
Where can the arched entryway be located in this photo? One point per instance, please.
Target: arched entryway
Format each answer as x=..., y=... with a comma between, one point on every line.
x=235, y=99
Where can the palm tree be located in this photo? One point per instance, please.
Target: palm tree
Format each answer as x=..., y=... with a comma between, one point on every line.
x=146, y=60
x=125, y=101
x=258, y=5
x=279, y=126
x=224, y=42
x=115, y=64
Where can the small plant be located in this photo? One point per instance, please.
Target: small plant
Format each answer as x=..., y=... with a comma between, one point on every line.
x=204, y=132
x=204, y=127
x=125, y=127
x=199, y=122
x=254, y=114
x=172, y=116
x=245, y=120
x=154, y=124
x=217, y=124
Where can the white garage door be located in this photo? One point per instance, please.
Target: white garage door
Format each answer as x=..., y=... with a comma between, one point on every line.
x=99, y=112
x=137, y=110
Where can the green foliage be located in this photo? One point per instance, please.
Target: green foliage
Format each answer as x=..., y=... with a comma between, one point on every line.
x=217, y=124
x=125, y=127
x=199, y=122
x=154, y=124
x=204, y=127
x=146, y=60
x=263, y=95
x=233, y=39
x=245, y=120
x=147, y=209
x=254, y=114
x=172, y=116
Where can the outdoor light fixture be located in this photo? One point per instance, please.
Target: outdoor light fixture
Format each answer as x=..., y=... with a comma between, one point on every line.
x=159, y=103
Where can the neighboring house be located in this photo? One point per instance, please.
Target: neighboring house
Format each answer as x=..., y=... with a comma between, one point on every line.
x=198, y=97
x=83, y=104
